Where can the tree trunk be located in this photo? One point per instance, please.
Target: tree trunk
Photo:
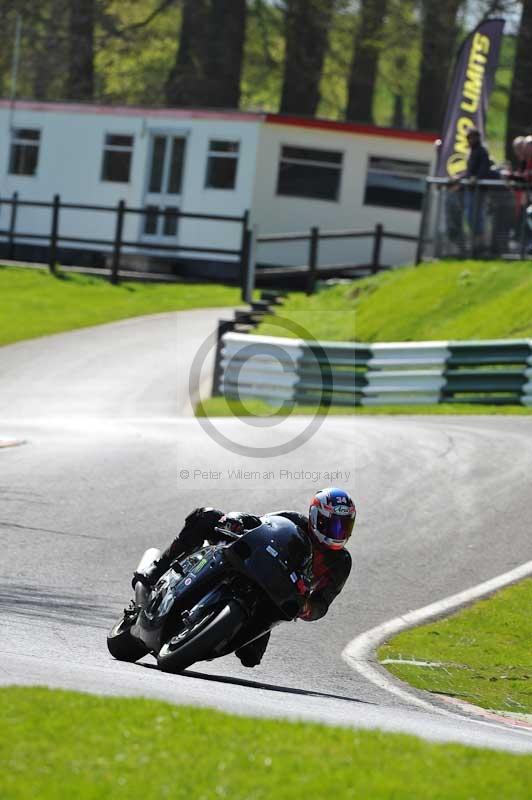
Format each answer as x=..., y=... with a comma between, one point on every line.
x=80, y=83
x=307, y=24
x=365, y=62
x=520, y=106
x=398, y=118
x=209, y=59
x=186, y=81
x=226, y=52
x=438, y=40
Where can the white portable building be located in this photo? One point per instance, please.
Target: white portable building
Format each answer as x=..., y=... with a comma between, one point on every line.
x=290, y=173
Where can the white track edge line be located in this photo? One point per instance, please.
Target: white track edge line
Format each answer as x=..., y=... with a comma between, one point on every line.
x=359, y=654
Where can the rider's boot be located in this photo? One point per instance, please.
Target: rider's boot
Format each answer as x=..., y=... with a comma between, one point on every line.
x=250, y=655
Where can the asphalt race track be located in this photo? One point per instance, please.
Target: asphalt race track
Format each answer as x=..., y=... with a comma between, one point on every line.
x=110, y=461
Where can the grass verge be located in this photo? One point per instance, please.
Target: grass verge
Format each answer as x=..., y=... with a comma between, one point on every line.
x=59, y=744
x=251, y=407
x=481, y=654
x=222, y=407
x=442, y=300
x=34, y=303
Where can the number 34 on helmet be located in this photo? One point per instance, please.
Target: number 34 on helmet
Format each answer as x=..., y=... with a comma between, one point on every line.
x=332, y=516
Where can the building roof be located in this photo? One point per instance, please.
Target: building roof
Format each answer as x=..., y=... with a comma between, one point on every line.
x=221, y=114
x=350, y=127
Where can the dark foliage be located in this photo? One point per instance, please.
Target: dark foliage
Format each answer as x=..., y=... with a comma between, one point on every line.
x=439, y=32
x=307, y=25
x=520, y=107
x=209, y=57
x=363, y=76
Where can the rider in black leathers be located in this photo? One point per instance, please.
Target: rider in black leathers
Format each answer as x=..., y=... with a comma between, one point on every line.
x=331, y=564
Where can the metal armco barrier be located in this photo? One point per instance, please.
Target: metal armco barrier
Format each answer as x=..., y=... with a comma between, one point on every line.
x=278, y=369
x=292, y=370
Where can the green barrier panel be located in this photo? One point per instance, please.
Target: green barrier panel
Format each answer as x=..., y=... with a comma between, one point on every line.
x=484, y=382
x=489, y=352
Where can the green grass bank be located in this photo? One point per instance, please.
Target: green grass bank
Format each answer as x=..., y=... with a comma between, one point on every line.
x=59, y=744
x=34, y=303
x=442, y=300
x=254, y=407
x=222, y=407
x=481, y=655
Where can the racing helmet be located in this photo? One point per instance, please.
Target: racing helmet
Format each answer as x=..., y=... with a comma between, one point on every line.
x=331, y=518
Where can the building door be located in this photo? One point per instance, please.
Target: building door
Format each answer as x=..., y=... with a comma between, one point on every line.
x=163, y=191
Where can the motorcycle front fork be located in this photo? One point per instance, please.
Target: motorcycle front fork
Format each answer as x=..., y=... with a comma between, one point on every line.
x=148, y=559
x=141, y=594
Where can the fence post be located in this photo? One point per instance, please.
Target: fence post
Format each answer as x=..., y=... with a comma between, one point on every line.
x=523, y=232
x=244, y=253
x=249, y=284
x=12, y=226
x=377, y=245
x=52, y=253
x=475, y=221
x=425, y=205
x=224, y=325
x=313, y=259
x=115, y=266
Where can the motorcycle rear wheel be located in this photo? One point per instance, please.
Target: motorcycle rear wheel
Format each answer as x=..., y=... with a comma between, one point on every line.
x=122, y=645
x=202, y=640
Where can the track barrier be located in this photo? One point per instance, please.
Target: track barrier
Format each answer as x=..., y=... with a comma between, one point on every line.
x=275, y=369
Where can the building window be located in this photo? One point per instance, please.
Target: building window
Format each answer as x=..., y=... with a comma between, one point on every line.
x=24, y=155
x=167, y=159
x=306, y=172
x=222, y=163
x=395, y=183
x=161, y=221
x=117, y=153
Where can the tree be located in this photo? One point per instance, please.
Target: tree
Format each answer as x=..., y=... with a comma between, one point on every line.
x=399, y=61
x=438, y=40
x=520, y=106
x=262, y=74
x=209, y=58
x=226, y=51
x=363, y=74
x=307, y=25
x=187, y=80
x=80, y=82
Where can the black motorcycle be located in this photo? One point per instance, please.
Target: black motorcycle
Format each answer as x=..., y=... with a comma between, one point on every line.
x=220, y=598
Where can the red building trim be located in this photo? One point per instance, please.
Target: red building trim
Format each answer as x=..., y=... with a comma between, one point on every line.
x=350, y=127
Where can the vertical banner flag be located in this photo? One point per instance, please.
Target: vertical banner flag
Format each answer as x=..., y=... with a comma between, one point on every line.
x=474, y=74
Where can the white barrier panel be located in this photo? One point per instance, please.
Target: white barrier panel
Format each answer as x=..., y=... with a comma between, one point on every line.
x=376, y=374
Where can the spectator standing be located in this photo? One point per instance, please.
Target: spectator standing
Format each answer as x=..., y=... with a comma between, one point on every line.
x=522, y=175
x=478, y=168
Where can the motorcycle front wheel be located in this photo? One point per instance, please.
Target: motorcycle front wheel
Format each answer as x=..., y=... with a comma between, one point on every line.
x=202, y=640
x=122, y=645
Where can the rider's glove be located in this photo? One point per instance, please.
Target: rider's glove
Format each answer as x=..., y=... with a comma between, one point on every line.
x=204, y=519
